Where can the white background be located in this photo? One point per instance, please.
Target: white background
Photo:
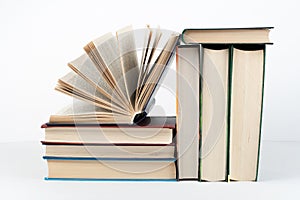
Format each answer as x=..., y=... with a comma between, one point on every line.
x=39, y=38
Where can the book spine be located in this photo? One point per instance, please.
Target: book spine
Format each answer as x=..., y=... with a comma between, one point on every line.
x=261, y=113
x=230, y=61
x=139, y=117
x=200, y=112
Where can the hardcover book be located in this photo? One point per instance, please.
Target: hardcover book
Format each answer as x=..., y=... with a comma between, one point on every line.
x=150, y=131
x=214, y=112
x=113, y=170
x=247, y=86
x=251, y=35
x=188, y=108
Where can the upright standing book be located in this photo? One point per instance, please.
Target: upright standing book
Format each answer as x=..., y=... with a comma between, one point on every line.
x=188, y=108
x=247, y=84
x=214, y=112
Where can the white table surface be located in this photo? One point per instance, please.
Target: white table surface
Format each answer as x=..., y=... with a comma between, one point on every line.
x=22, y=172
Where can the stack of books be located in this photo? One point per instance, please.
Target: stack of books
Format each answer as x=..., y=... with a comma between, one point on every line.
x=143, y=151
x=215, y=136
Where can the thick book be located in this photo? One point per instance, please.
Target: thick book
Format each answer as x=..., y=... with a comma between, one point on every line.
x=251, y=35
x=188, y=121
x=214, y=111
x=247, y=84
x=111, y=83
x=150, y=131
x=138, y=170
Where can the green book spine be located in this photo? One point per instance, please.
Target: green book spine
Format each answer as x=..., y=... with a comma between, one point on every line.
x=230, y=60
x=261, y=113
x=200, y=112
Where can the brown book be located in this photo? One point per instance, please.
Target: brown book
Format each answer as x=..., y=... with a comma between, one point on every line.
x=152, y=130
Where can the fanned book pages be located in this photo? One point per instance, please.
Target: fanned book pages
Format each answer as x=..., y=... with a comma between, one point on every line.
x=112, y=84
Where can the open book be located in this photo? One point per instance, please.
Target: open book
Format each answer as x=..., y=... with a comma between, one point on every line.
x=113, y=86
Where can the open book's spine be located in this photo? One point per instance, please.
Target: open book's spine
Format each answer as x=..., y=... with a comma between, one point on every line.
x=139, y=117
x=142, y=115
